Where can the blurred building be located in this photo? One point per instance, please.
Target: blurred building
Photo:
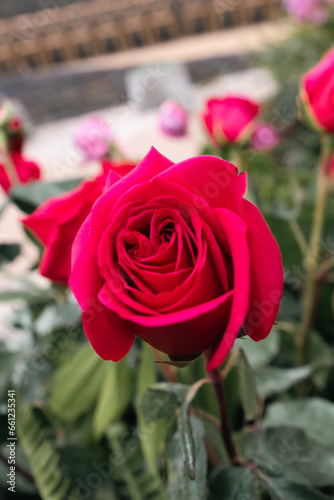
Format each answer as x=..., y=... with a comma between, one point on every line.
x=41, y=33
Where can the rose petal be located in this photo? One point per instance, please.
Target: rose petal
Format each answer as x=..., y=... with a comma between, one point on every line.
x=236, y=231
x=109, y=336
x=266, y=274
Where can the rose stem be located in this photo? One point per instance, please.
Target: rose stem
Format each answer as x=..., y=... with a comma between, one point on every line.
x=312, y=256
x=216, y=380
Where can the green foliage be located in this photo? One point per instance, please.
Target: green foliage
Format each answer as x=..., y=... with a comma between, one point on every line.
x=9, y=252
x=151, y=432
x=114, y=396
x=30, y=196
x=75, y=386
x=36, y=438
x=132, y=480
x=180, y=485
x=247, y=387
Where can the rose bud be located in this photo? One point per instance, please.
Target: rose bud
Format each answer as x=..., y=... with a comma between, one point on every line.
x=316, y=103
x=173, y=253
x=231, y=119
x=264, y=138
x=56, y=222
x=94, y=139
x=26, y=170
x=172, y=119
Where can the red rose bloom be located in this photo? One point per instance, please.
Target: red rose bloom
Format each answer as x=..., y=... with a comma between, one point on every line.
x=317, y=95
x=231, y=119
x=26, y=170
x=57, y=221
x=174, y=254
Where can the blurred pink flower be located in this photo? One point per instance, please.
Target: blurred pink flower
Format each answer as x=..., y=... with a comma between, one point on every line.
x=172, y=119
x=307, y=10
x=264, y=138
x=94, y=138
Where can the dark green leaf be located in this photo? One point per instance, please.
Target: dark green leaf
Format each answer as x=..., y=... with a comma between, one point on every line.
x=161, y=401
x=30, y=196
x=180, y=487
x=282, y=490
x=289, y=454
x=36, y=439
x=272, y=380
x=247, y=387
x=9, y=252
x=260, y=353
x=231, y=484
x=315, y=416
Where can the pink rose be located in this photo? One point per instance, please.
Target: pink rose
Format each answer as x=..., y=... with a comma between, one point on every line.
x=307, y=10
x=94, y=138
x=264, y=138
x=317, y=95
x=173, y=119
x=231, y=119
x=173, y=253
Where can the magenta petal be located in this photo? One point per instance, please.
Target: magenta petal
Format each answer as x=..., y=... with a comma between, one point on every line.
x=266, y=274
x=109, y=336
x=153, y=164
x=236, y=232
x=85, y=280
x=211, y=179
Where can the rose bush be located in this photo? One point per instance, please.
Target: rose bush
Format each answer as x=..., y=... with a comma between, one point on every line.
x=317, y=95
x=230, y=119
x=173, y=253
x=56, y=222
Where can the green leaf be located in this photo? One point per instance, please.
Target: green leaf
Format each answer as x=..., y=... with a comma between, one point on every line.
x=9, y=252
x=187, y=441
x=7, y=365
x=317, y=351
x=75, y=386
x=180, y=486
x=134, y=482
x=260, y=353
x=247, y=387
x=315, y=416
x=161, y=401
x=288, y=453
x=30, y=196
x=56, y=316
x=272, y=380
x=36, y=439
x=151, y=434
x=114, y=396
x=231, y=484
x=282, y=490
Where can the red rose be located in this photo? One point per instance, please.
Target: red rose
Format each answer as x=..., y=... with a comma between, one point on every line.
x=317, y=95
x=174, y=254
x=26, y=170
x=57, y=221
x=231, y=119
